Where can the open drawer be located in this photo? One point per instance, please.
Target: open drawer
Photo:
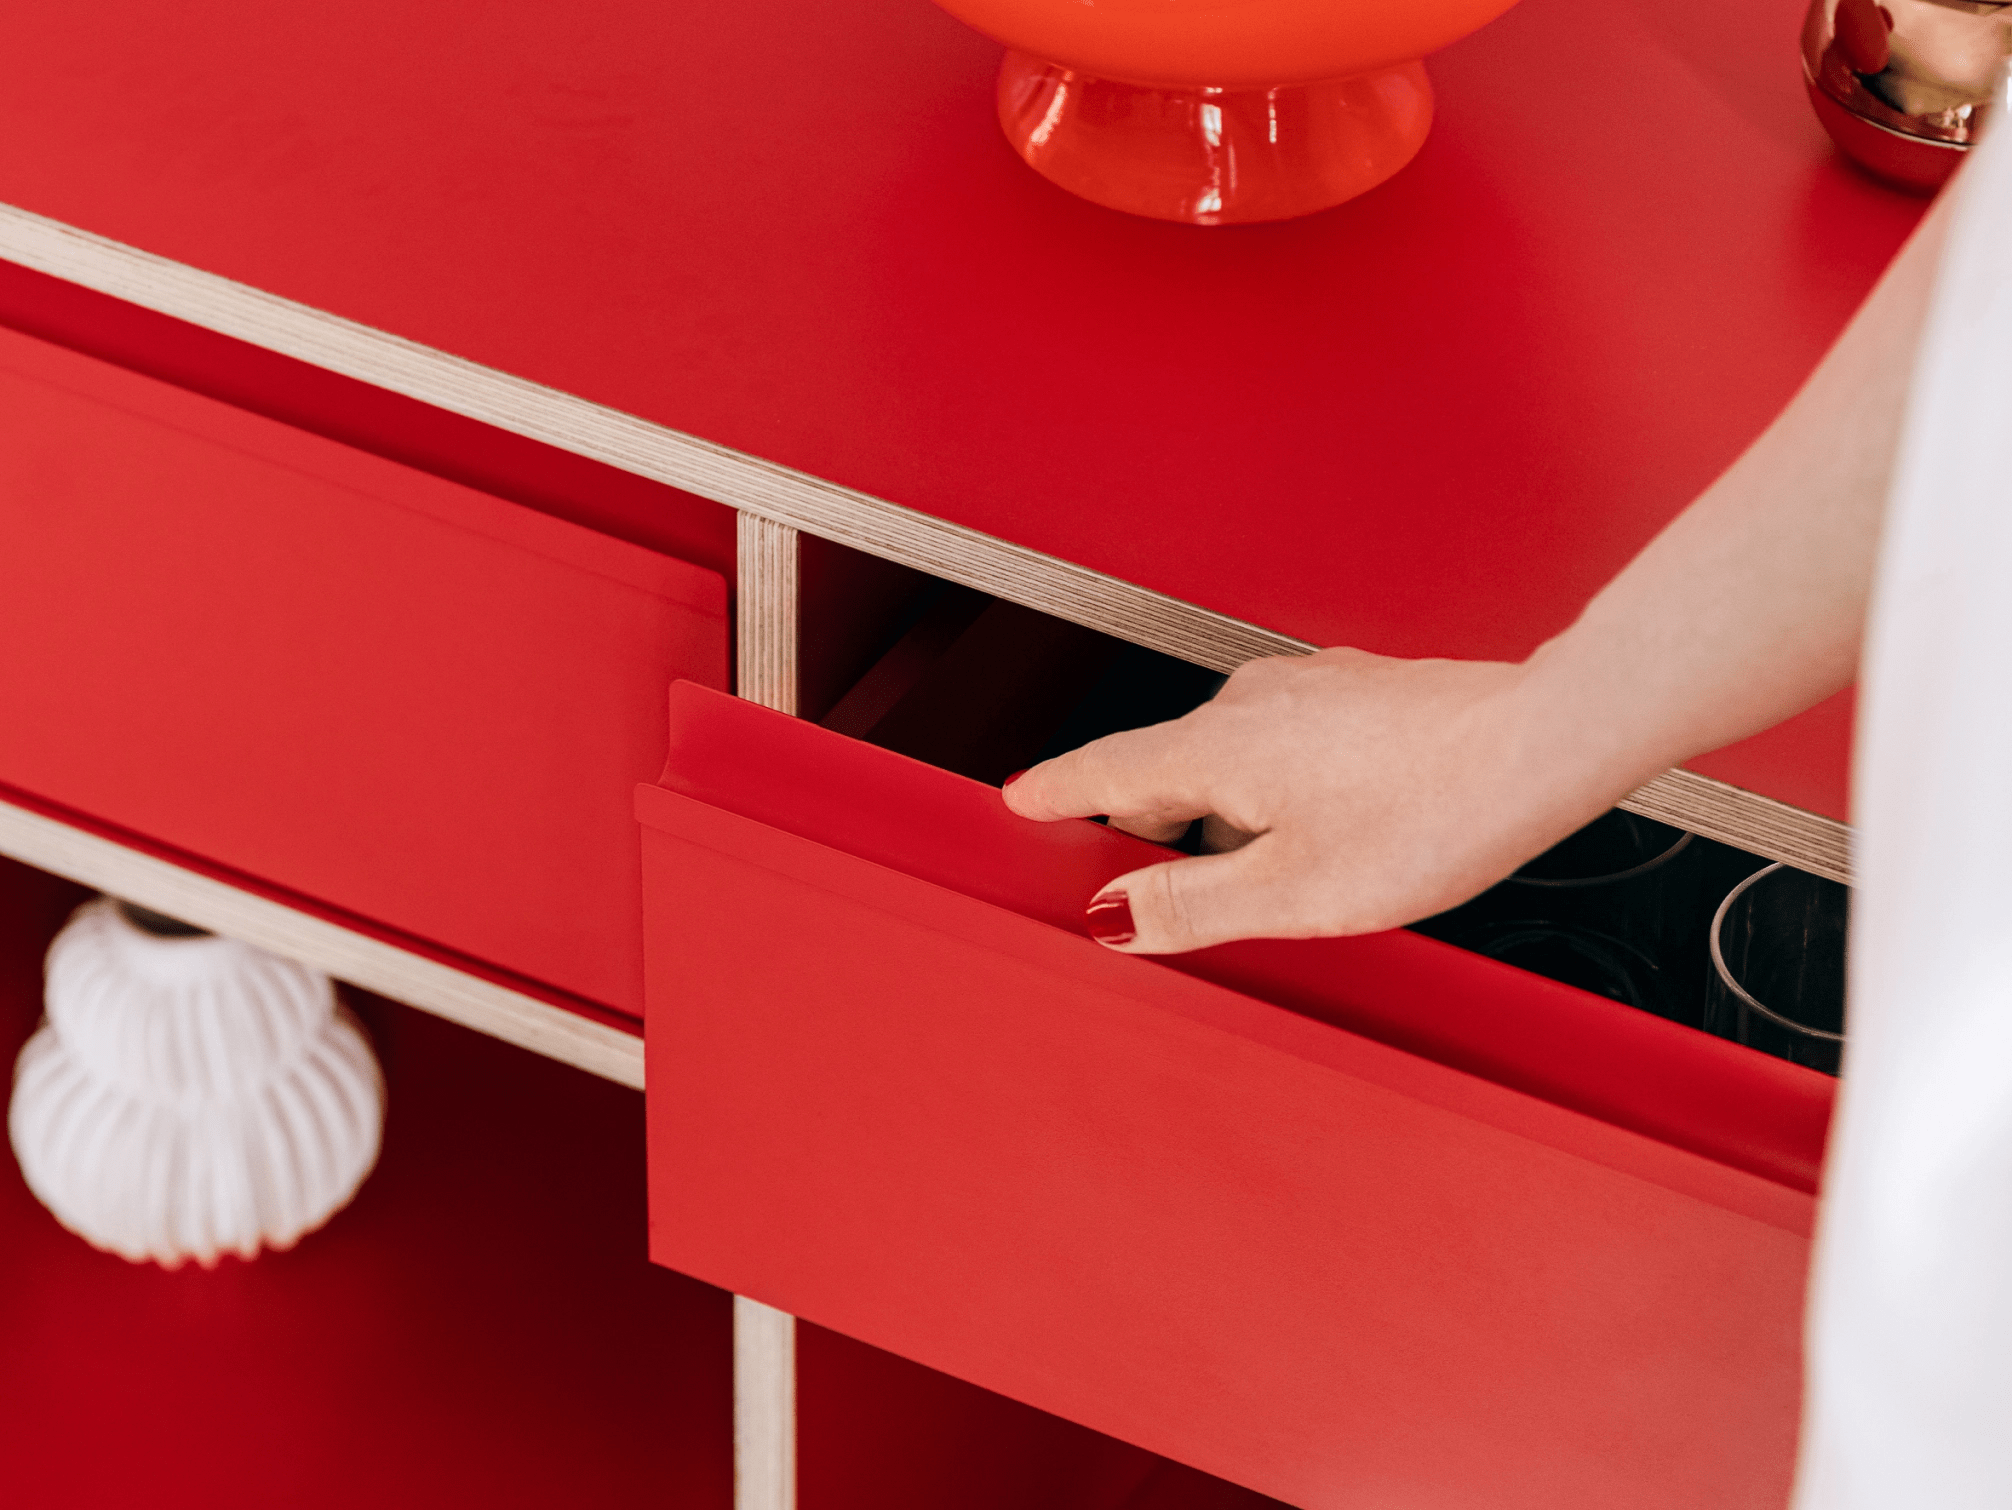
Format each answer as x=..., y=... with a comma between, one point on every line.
x=1433, y=1233
x=392, y=694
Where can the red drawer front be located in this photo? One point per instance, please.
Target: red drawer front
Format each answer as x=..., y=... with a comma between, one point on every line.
x=394, y=694
x=1244, y=1238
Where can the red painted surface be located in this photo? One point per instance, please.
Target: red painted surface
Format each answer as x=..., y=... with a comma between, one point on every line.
x=892, y=1096
x=410, y=700
x=1431, y=421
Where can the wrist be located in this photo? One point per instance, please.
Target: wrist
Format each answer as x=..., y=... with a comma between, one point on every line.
x=1575, y=738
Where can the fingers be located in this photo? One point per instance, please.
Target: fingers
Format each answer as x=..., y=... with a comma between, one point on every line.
x=1156, y=828
x=1190, y=904
x=1219, y=835
x=1148, y=781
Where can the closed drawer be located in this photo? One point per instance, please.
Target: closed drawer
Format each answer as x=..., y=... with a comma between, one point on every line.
x=399, y=696
x=895, y=1091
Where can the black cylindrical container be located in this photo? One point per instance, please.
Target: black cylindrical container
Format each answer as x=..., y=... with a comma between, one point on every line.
x=1611, y=910
x=1778, y=950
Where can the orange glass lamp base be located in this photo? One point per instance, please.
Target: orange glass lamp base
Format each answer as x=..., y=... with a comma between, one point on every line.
x=1213, y=156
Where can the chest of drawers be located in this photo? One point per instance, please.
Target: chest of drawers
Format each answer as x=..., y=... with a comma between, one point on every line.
x=395, y=404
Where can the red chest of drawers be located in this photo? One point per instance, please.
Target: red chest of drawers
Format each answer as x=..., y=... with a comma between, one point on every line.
x=380, y=392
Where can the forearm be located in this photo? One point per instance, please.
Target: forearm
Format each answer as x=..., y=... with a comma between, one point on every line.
x=1374, y=791
x=1749, y=607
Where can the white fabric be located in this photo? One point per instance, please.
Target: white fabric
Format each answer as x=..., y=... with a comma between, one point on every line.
x=1909, y=1398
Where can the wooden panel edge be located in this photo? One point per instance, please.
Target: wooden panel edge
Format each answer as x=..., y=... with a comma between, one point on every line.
x=766, y=599
x=1748, y=821
x=795, y=499
x=764, y=1407
x=767, y=624
x=356, y=958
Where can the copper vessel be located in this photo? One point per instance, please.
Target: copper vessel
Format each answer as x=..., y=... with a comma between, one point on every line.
x=1904, y=86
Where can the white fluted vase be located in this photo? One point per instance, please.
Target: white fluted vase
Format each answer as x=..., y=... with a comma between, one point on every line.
x=190, y=1096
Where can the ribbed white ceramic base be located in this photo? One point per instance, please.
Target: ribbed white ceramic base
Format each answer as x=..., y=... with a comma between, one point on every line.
x=190, y=1097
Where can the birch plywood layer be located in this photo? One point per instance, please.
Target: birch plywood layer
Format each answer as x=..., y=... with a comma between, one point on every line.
x=776, y=253
x=374, y=964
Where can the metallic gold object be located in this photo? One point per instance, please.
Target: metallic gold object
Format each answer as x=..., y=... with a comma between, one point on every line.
x=1905, y=86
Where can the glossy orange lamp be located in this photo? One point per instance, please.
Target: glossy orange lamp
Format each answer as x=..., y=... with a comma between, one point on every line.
x=1219, y=111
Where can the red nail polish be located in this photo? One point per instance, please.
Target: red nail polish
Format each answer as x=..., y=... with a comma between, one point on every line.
x=1014, y=777
x=1109, y=918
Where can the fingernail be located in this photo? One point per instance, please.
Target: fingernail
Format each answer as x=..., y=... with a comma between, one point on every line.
x=1109, y=917
x=1014, y=777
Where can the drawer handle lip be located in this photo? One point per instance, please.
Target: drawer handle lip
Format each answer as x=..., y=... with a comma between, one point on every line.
x=694, y=854
x=1406, y=993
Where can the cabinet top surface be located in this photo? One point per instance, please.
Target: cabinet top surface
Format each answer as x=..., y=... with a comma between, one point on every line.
x=1430, y=421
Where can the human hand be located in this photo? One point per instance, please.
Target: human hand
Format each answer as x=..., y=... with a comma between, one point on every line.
x=1380, y=791
x=1349, y=792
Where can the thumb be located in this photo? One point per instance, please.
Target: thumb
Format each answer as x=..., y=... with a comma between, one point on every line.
x=1190, y=904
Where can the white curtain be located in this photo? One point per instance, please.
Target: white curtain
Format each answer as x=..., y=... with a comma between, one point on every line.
x=1910, y=1365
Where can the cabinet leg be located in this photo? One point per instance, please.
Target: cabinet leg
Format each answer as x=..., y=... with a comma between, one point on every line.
x=764, y=1407
x=765, y=627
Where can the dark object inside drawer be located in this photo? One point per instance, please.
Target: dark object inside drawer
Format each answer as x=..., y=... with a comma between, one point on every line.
x=986, y=688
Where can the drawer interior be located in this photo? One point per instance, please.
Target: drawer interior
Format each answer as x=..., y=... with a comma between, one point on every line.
x=983, y=688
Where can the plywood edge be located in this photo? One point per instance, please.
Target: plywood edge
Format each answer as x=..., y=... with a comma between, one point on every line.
x=783, y=496
x=764, y=1407
x=766, y=618
x=1748, y=821
x=100, y=863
